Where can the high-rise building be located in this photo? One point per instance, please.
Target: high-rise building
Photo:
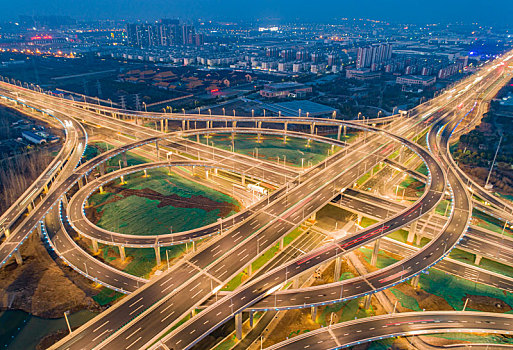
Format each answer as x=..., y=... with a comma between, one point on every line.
x=373, y=56
x=165, y=33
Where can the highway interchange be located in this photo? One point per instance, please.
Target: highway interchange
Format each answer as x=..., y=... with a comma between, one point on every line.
x=154, y=308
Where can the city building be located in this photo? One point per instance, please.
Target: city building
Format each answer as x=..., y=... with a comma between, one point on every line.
x=373, y=56
x=362, y=74
x=416, y=80
x=283, y=90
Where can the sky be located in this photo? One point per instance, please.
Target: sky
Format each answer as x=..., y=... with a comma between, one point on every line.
x=404, y=11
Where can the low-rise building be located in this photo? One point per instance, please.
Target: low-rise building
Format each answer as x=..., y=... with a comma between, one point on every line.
x=283, y=90
x=416, y=80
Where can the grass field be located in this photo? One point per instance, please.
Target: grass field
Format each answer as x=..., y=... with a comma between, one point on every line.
x=272, y=147
x=138, y=215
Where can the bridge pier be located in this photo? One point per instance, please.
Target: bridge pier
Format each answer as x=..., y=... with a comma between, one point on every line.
x=411, y=232
x=312, y=128
x=338, y=268
x=45, y=188
x=161, y=125
x=157, y=255
x=367, y=303
x=183, y=125
x=125, y=162
x=238, y=325
x=250, y=270
x=251, y=318
x=95, y=246
x=285, y=127
x=234, y=124
x=375, y=252
x=122, y=254
x=102, y=169
x=243, y=179
x=197, y=138
x=419, y=239
x=17, y=256
x=39, y=230
x=158, y=149
x=415, y=281
x=478, y=259
x=359, y=219
x=167, y=126
x=7, y=232
x=313, y=311
x=101, y=190
x=339, y=132
x=281, y=244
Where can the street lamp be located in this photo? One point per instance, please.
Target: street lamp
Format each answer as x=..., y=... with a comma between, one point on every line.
x=224, y=111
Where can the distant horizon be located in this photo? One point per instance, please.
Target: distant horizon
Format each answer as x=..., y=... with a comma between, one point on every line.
x=286, y=11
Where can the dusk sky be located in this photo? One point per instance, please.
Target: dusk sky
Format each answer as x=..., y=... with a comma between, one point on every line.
x=492, y=11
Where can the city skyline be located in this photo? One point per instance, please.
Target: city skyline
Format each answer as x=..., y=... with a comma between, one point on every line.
x=399, y=11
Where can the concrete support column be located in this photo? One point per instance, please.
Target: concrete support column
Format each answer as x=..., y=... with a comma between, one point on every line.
x=125, y=162
x=102, y=169
x=45, y=188
x=339, y=132
x=258, y=137
x=95, y=246
x=338, y=268
x=183, y=125
x=359, y=220
x=17, y=256
x=193, y=246
x=167, y=125
x=312, y=128
x=243, y=179
x=281, y=244
x=419, y=239
x=101, y=189
x=313, y=310
x=157, y=255
x=122, y=254
x=345, y=131
x=197, y=138
x=238, y=325
x=415, y=281
x=478, y=259
x=251, y=318
x=7, y=232
x=375, y=251
x=411, y=232
x=80, y=182
x=368, y=300
x=158, y=150
x=234, y=124
x=65, y=201
x=285, y=127
x=161, y=125
x=250, y=270
x=314, y=216
x=39, y=230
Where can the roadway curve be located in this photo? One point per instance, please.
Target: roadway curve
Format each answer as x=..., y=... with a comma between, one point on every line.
x=194, y=330
x=351, y=333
